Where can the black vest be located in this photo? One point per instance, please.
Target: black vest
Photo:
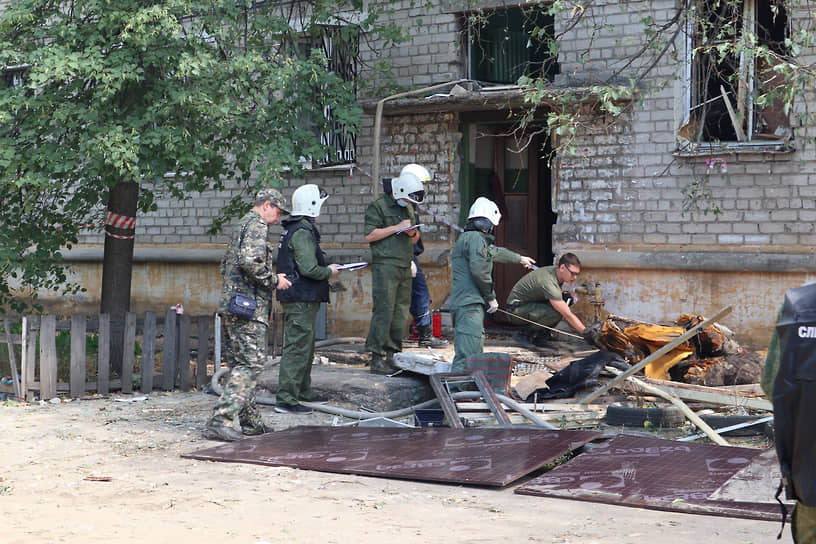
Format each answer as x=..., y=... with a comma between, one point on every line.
x=794, y=394
x=303, y=289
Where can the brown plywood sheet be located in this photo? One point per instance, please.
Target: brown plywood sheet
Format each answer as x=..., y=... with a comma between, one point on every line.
x=484, y=456
x=657, y=474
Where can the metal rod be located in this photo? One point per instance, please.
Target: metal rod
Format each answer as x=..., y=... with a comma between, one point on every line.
x=539, y=324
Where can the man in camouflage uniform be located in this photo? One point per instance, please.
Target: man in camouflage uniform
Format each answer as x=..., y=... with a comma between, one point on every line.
x=388, y=222
x=472, y=292
x=247, y=270
x=301, y=259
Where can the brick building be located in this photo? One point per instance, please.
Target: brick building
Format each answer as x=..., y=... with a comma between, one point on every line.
x=617, y=199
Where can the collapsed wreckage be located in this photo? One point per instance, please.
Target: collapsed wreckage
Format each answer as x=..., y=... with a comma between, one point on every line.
x=712, y=357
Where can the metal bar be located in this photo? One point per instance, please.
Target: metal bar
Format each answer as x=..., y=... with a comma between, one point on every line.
x=540, y=325
x=490, y=398
x=729, y=428
x=654, y=356
x=445, y=400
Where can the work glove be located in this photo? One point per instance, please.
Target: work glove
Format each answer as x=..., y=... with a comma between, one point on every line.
x=492, y=306
x=413, y=269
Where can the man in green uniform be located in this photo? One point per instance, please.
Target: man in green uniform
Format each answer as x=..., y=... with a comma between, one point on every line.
x=388, y=229
x=301, y=260
x=472, y=292
x=537, y=296
x=247, y=270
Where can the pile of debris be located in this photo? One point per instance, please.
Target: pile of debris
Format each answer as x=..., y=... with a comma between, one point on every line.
x=711, y=358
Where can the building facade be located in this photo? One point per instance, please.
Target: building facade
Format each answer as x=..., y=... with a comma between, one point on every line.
x=621, y=196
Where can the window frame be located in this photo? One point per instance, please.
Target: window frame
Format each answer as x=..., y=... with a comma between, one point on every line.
x=693, y=129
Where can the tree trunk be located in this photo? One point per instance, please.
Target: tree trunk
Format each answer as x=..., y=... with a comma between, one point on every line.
x=117, y=266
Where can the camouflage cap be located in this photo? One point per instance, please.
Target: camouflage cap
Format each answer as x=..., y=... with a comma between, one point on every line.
x=274, y=196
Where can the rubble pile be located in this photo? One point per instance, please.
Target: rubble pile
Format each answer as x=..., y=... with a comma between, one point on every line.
x=711, y=358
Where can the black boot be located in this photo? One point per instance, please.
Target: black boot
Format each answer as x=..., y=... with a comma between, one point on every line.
x=383, y=364
x=426, y=337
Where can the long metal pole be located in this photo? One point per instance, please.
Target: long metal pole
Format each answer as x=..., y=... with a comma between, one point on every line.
x=375, y=168
x=540, y=325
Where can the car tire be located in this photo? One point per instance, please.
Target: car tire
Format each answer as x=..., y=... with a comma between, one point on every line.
x=627, y=416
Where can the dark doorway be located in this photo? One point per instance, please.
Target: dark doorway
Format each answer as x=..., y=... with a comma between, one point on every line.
x=512, y=171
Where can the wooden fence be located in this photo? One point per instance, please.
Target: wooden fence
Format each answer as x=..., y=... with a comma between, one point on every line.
x=183, y=345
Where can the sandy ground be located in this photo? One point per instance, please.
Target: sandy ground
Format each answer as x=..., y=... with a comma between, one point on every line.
x=106, y=471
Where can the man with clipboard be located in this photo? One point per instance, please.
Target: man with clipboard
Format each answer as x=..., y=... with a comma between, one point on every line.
x=391, y=231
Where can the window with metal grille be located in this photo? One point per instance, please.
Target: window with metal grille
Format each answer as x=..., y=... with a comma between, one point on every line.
x=13, y=76
x=726, y=77
x=505, y=44
x=340, y=45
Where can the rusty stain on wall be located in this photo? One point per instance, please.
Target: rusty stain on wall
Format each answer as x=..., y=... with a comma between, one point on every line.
x=663, y=295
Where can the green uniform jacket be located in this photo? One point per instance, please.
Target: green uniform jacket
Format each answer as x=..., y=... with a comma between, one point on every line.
x=304, y=250
x=540, y=285
x=247, y=266
x=398, y=249
x=473, y=258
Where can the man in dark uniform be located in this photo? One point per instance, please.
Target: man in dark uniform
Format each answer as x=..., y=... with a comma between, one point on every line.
x=247, y=270
x=301, y=259
x=472, y=292
x=789, y=380
x=388, y=222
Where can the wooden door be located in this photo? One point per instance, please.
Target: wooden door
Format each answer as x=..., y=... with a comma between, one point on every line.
x=518, y=173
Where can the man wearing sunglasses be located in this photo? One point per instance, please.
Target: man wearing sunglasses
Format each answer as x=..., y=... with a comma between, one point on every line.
x=537, y=296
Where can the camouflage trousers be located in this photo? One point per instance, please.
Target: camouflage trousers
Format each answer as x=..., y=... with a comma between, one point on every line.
x=391, y=303
x=804, y=524
x=295, y=377
x=468, y=334
x=244, y=348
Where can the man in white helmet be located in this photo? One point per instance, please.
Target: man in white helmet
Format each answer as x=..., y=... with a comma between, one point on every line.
x=303, y=262
x=388, y=230
x=472, y=293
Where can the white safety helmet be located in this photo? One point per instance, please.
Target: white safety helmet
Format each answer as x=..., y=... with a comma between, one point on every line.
x=484, y=207
x=409, y=183
x=307, y=200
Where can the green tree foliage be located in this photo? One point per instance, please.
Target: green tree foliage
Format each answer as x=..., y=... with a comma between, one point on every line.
x=177, y=95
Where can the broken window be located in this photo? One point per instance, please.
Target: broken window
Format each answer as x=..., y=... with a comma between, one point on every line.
x=504, y=45
x=340, y=46
x=726, y=77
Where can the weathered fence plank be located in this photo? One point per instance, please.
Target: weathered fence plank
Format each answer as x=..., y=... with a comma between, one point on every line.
x=203, y=349
x=48, y=357
x=148, y=351
x=103, y=355
x=12, y=359
x=79, y=364
x=29, y=358
x=185, y=373
x=128, y=353
x=169, y=351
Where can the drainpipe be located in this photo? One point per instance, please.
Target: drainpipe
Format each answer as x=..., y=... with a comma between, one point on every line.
x=375, y=178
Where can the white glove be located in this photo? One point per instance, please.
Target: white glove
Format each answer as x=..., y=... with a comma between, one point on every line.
x=413, y=269
x=492, y=306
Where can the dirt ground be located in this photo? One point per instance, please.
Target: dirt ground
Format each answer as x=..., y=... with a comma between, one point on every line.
x=101, y=470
